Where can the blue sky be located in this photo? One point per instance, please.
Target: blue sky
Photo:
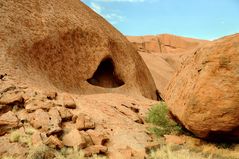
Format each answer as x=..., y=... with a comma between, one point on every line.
x=203, y=19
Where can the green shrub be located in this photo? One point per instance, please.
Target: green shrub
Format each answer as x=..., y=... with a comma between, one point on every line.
x=14, y=136
x=158, y=115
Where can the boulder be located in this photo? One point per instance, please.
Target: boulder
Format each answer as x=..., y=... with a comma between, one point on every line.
x=11, y=98
x=204, y=93
x=38, y=138
x=8, y=121
x=55, y=121
x=88, y=138
x=65, y=113
x=34, y=104
x=66, y=45
x=69, y=102
x=39, y=119
x=54, y=142
x=22, y=115
x=84, y=122
x=75, y=139
x=51, y=95
x=98, y=138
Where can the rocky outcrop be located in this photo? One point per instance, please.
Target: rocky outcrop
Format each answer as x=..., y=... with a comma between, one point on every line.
x=164, y=43
x=204, y=93
x=65, y=45
x=163, y=54
x=96, y=124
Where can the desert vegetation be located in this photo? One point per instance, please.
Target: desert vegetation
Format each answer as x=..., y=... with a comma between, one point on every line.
x=162, y=124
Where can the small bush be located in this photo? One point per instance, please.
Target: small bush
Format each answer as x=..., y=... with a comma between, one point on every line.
x=41, y=152
x=71, y=153
x=14, y=136
x=158, y=115
x=18, y=136
x=167, y=152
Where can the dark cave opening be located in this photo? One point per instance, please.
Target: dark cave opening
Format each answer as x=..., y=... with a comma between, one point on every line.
x=105, y=75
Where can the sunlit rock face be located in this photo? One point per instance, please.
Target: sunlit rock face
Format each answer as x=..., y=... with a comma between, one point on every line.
x=65, y=45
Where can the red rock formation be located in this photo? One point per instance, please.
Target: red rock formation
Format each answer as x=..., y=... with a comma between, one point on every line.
x=204, y=93
x=65, y=45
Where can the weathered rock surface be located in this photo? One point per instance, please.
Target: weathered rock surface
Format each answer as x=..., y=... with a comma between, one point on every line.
x=98, y=138
x=55, y=121
x=163, y=54
x=204, y=93
x=69, y=102
x=84, y=122
x=35, y=104
x=75, y=139
x=65, y=45
x=164, y=43
x=64, y=113
x=39, y=119
x=8, y=121
x=11, y=98
x=54, y=142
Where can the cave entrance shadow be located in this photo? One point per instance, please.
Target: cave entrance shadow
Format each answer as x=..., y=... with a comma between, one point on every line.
x=105, y=75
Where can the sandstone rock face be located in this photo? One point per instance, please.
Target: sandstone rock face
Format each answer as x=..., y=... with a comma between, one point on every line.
x=163, y=54
x=65, y=45
x=164, y=43
x=204, y=93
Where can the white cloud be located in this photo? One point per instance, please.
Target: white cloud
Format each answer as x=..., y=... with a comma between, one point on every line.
x=109, y=15
x=114, y=18
x=96, y=7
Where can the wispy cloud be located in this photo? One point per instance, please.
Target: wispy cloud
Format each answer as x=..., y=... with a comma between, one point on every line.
x=110, y=15
x=114, y=18
x=96, y=7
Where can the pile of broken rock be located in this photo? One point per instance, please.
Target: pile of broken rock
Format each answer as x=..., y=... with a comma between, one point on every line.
x=53, y=119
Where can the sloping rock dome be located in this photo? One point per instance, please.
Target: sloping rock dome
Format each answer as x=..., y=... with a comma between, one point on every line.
x=65, y=45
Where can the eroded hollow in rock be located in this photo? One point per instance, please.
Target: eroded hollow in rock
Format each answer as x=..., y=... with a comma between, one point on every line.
x=105, y=75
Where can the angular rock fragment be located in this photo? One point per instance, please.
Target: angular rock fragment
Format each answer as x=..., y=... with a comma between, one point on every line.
x=39, y=119
x=55, y=121
x=75, y=139
x=8, y=121
x=35, y=104
x=54, y=142
x=98, y=138
x=11, y=98
x=84, y=122
x=69, y=102
x=51, y=95
x=65, y=113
